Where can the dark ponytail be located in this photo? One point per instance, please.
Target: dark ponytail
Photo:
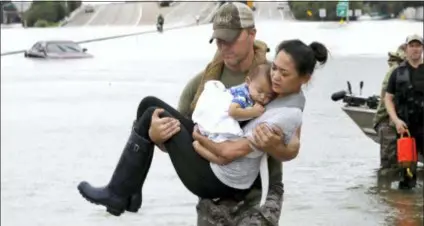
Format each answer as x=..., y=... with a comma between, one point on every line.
x=305, y=57
x=320, y=52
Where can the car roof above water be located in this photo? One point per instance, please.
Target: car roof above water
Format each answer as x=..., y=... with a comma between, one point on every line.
x=59, y=41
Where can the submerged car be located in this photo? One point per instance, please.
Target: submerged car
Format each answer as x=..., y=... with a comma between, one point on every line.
x=165, y=3
x=89, y=9
x=362, y=111
x=57, y=50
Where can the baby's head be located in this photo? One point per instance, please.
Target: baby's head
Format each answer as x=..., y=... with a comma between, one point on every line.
x=259, y=82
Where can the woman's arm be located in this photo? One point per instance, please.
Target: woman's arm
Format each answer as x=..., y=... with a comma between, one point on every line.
x=268, y=136
x=279, y=150
x=270, y=142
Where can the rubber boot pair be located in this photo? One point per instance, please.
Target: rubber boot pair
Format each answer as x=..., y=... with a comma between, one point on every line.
x=123, y=193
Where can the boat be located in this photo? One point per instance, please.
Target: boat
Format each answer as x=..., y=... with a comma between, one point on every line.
x=362, y=111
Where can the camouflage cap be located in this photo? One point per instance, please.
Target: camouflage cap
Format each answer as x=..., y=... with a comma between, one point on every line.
x=414, y=37
x=230, y=19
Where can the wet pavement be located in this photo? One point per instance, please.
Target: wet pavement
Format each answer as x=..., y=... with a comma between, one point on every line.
x=67, y=121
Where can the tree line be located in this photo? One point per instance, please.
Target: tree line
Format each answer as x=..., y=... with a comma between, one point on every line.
x=40, y=13
x=386, y=9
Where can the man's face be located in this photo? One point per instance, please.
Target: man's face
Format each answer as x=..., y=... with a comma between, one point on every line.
x=414, y=50
x=235, y=52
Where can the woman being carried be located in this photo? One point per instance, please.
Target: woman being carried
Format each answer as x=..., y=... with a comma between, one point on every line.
x=292, y=67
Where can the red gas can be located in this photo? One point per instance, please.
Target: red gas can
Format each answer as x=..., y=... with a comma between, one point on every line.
x=406, y=150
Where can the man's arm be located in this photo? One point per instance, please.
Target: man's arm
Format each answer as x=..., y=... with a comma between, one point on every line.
x=388, y=98
x=208, y=155
x=227, y=150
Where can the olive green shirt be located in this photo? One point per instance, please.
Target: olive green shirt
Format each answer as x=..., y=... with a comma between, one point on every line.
x=381, y=113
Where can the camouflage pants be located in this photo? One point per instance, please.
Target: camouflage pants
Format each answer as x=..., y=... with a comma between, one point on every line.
x=387, y=135
x=244, y=213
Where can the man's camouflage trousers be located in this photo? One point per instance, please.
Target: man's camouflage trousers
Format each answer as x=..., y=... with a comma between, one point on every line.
x=234, y=213
x=387, y=136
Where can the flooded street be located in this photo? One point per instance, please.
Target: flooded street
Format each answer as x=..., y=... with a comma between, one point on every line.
x=67, y=121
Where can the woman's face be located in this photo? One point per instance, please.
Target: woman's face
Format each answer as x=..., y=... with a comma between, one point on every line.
x=284, y=76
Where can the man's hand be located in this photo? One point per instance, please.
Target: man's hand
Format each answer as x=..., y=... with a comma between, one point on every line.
x=161, y=129
x=266, y=138
x=400, y=126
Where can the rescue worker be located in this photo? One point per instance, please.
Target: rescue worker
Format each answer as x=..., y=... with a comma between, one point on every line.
x=395, y=58
x=385, y=129
x=404, y=99
x=160, y=22
x=238, y=53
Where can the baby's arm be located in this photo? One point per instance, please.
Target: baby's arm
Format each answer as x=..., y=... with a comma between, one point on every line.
x=239, y=113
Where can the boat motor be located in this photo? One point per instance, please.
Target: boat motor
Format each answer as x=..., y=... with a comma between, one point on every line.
x=356, y=101
x=349, y=87
x=339, y=95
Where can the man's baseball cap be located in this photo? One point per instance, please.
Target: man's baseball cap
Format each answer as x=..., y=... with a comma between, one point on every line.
x=230, y=19
x=415, y=37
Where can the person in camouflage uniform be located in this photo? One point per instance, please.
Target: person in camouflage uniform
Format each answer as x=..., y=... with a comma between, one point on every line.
x=383, y=125
x=238, y=53
x=241, y=210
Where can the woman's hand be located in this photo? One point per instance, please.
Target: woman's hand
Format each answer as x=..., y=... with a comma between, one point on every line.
x=267, y=138
x=270, y=140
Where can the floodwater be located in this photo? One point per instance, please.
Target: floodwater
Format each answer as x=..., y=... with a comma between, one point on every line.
x=67, y=121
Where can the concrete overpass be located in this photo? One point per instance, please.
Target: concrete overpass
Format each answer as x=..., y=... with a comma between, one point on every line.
x=145, y=13
x=141, y=13
x=270, y=11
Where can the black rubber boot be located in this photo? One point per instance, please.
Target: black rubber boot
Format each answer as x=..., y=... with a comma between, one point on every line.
x=406, y=182
x=124, y=189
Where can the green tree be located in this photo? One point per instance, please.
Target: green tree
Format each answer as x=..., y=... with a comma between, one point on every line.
x=300, y=10
x=52, y=12
x=388, y=8
x=73, y=5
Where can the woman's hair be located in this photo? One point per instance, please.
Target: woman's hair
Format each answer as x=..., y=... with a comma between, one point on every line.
x=304, y=56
